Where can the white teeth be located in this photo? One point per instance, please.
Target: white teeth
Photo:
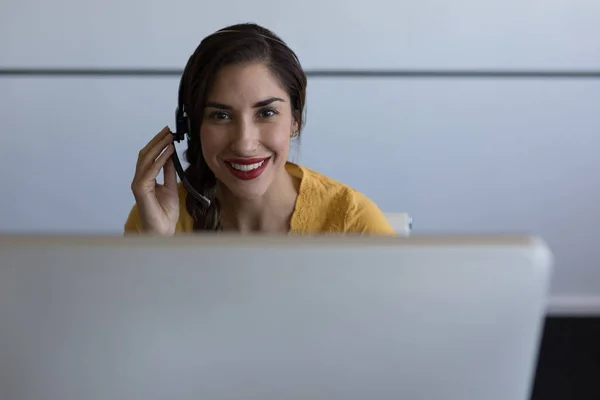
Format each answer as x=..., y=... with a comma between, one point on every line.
x=248, y=167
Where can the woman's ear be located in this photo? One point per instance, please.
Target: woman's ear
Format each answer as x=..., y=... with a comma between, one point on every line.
x=294, y=132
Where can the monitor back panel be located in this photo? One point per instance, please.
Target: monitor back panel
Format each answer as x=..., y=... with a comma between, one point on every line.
x=270, y=318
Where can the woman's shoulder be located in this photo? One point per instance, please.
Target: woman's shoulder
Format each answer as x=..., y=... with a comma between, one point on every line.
x=326, y=204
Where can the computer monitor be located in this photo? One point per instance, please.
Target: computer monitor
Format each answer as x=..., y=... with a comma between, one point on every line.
x=259, y=317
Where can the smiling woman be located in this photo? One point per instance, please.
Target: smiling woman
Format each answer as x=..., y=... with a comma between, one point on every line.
x=244, y=90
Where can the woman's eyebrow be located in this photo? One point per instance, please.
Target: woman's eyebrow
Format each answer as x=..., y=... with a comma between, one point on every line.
x=214, y=104
x=268, y=101
x=262, y=103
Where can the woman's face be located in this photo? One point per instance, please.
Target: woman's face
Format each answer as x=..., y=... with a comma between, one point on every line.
x=246, y=128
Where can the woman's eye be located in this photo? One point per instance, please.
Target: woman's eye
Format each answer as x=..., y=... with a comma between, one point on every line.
x=219, y=115
x=267, y=112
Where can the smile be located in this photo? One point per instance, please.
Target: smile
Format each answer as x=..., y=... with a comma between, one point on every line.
x=247, y=169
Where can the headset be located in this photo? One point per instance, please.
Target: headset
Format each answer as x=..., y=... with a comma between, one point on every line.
x=183, y=128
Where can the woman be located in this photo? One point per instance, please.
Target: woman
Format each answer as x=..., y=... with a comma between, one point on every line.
x=245, y=92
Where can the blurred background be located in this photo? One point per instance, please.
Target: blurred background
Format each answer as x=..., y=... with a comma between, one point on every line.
x=471, y=116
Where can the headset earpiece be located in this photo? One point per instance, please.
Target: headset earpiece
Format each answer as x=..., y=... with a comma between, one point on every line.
x=182, y=124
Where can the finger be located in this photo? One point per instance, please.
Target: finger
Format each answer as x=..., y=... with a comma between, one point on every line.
x=154, y=169
x=170, y=174
x=150, y=157
x=159, y=136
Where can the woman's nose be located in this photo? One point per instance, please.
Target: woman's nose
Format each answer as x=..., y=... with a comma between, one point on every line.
x=244, y=139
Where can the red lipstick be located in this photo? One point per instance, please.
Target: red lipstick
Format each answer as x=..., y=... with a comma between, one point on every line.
x=247, y=168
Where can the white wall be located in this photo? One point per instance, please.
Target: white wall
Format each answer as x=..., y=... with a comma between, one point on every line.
x=460, y=155
x=325, y=33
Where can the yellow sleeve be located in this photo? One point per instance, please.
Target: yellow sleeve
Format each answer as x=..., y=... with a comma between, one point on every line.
x=185, y=223
x=133, y=224
x=366, y=218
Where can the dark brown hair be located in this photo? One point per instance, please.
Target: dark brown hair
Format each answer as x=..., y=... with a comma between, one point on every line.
x=235, y=44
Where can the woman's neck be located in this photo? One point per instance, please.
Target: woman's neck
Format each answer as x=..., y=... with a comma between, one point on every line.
x=270, y=213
